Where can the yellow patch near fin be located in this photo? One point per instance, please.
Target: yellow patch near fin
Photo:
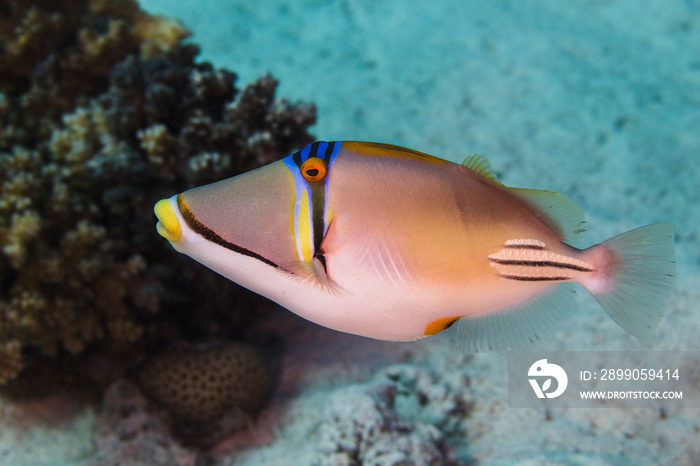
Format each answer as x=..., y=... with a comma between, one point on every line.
x=439, y=325
x=168, y=225
x=480, y=165
x=305, y=223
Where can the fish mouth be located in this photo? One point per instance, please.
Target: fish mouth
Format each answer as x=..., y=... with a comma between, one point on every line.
x=168, y=225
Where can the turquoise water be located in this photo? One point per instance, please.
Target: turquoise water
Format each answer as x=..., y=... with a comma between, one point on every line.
x=596, y=99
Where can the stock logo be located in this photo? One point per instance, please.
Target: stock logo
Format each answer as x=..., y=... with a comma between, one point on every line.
x=543, y=371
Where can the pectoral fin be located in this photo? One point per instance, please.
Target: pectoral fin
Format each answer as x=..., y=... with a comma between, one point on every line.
x=313, y=271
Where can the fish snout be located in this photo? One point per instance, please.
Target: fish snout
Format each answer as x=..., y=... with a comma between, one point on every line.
x=168, y=225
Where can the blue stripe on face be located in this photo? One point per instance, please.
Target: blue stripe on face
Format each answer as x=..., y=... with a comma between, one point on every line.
x=305, y=153
x=321, y=151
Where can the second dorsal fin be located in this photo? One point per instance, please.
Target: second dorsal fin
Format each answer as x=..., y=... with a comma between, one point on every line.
x=555, y=209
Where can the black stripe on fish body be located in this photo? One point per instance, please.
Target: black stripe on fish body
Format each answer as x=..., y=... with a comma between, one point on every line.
x=318, y=192
x=322, y=259
x=527, y=263
x=314, y=152
x=296, y=157
x=524, y=246
x=330, y=150
x=524, y=278
x=210, y=235
x=314, y=149
x=318, y=204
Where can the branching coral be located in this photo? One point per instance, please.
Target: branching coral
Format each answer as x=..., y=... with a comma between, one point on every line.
x=103, y=111
x=10, y=359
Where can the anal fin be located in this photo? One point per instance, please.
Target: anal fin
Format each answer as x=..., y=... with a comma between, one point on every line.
x=518, y=327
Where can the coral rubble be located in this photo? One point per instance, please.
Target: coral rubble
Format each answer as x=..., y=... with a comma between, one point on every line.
x=127, y=431
x=103, y=111
x=404, y=417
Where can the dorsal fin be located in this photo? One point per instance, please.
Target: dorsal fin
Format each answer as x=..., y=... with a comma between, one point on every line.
x=556, y=210
x=480, y=165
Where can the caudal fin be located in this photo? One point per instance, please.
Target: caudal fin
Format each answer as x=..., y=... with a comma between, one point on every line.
x=641, y=279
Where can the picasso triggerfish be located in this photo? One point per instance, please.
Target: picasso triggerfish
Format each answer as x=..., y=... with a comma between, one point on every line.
x=390, y=243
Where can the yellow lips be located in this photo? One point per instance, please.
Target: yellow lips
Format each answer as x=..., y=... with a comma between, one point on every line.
x=168, y=225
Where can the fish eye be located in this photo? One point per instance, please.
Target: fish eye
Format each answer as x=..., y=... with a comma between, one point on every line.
x=314, y=169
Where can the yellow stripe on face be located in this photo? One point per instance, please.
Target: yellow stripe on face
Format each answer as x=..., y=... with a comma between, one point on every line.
x=292, y=218
x=439, y=325
x=305, y=232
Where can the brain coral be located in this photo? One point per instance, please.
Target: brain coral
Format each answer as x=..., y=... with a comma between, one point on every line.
x=208, y=387
x=103, y=111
